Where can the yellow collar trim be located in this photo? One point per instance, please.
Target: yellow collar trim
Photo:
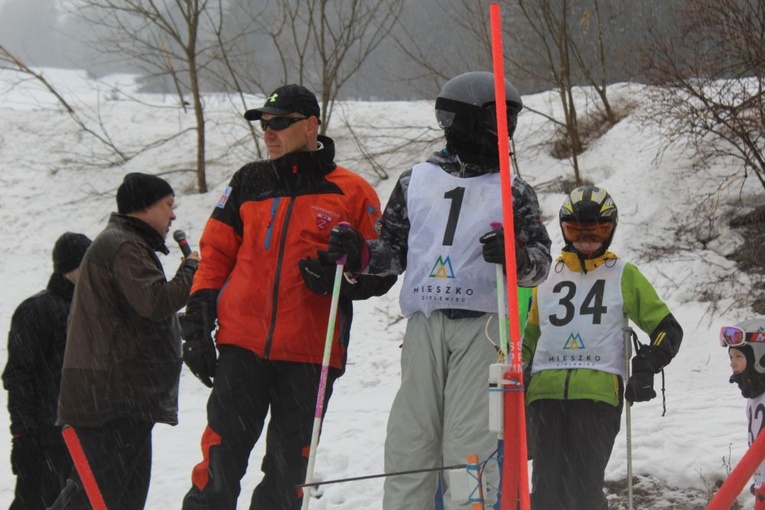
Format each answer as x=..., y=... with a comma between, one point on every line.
x=573, y=262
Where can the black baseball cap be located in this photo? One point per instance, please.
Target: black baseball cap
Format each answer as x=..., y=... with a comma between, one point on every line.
x=287, y=99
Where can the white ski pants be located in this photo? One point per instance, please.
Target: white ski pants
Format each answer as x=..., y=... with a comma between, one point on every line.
x=441, y=412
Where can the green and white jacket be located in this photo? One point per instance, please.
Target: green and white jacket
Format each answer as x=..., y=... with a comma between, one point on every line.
x=574, y=334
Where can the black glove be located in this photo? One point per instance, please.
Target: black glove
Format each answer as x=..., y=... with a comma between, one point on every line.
x=319, y=273
x=346, y=240
x=200, y=356
x=640, y=385
x=494, y=250
x=197, y=324
x=494, y=246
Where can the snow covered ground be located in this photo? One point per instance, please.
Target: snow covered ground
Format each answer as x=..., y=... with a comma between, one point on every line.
x=46, y=190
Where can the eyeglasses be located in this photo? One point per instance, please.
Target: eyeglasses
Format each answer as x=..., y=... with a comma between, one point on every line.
x=279, y=123
x=597, y=232
x=731, y=336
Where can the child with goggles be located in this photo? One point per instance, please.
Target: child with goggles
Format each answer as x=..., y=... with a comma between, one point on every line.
x=746, y=350
x=573, y=345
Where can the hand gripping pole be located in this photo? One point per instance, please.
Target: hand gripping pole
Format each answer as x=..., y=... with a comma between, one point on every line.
x=323, y=381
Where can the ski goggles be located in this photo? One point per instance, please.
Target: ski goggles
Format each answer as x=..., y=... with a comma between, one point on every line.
x=471, y=117
x=594, y=232
x=732, y=336
x=279, y=123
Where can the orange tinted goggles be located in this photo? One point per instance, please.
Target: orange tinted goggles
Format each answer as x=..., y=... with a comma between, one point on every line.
x=593, y=232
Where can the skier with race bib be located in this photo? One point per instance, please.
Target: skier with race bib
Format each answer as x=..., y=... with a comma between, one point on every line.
x=437, y=227
x=573, y=341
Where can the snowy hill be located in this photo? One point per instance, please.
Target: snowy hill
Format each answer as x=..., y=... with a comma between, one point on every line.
x=54, y=178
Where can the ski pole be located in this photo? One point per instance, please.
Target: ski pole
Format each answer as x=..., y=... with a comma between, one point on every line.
x=323, y=380
x=83, y=468
x=383, y=475
x=628, y=332
x=502, y=304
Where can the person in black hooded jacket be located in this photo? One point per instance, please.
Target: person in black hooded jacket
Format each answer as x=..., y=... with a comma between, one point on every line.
x=32, y=376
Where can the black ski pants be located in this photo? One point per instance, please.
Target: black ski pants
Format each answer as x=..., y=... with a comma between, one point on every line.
x=246, y=387
x=41, y=463
x=573, y=440
x=119, y=456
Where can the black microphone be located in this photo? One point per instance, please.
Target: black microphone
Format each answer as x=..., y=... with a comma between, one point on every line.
x=180, y=238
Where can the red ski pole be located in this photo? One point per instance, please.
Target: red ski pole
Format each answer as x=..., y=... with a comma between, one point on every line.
x=83, y=468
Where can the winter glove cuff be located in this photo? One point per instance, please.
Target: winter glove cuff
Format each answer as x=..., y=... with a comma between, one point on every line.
x=641, y=364
x=201, y=313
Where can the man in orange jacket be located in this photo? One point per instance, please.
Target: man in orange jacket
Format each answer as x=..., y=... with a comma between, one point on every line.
x=264, y=279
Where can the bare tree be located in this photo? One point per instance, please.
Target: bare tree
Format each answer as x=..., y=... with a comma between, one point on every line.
x=595, y=72
x=89, y=122
x=710, y=74
x=553, y=44
x=547, y=44
x=321, y=43
x=165, y=39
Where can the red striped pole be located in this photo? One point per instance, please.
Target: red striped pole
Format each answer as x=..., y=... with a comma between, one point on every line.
x=515, y=476
x=83, y=468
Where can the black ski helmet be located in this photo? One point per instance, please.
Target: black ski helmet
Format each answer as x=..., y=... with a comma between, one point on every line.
x=589, y=204
x=466, y=111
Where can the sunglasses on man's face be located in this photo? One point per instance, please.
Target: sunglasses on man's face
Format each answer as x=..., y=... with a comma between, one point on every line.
x=279, y=123
x=731, y=336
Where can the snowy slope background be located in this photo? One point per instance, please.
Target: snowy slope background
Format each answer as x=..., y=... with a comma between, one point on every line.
x=46, y=190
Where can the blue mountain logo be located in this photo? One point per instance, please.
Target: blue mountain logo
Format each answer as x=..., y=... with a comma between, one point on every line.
x=574, y=342
x=442, y=268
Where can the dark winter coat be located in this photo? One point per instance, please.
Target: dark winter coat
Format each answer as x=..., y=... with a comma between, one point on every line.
x=36, y=343
x=123, y=354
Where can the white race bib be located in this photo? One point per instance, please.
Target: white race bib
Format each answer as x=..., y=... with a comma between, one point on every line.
x=581, y=320
x=445, y=266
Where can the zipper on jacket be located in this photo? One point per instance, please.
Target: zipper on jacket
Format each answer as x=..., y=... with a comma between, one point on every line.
x=277, y=276
x=565, y=385
x=270, y=229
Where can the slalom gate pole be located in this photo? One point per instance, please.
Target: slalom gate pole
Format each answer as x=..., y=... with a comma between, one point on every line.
x=628, y=332
x=741, y=474
x=83, y=468
x=323, y=381
x=515, y=475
